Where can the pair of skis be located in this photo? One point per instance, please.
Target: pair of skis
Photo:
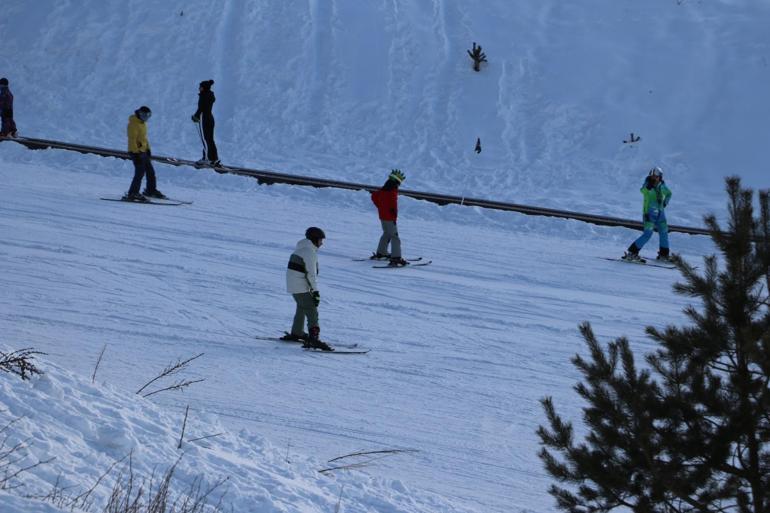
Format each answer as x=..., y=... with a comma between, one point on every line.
x=642, y=261
x=413, y=262
x=337, y=348
x=169, y=202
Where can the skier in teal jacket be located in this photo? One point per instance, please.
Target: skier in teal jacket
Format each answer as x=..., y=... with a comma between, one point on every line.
x=656, y=197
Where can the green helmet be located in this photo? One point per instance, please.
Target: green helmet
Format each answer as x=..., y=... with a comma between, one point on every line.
x=397, y=175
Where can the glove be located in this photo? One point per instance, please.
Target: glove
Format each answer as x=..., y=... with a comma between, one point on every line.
x=316, y=297
x=196, y=119
x=647, y=218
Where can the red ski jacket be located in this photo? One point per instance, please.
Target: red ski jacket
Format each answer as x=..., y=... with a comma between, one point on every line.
x=387, y=204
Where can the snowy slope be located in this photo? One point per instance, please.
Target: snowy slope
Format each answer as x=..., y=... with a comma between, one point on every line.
x=462, y=350
x=348, y=89
x=85, y=429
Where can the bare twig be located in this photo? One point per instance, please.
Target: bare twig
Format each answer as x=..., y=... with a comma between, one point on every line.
x=98, y=361
x=204, y=437
x=345, y=467
x=11, y=455
x=170, y=370
x=83, y=499
x=339, y=500
x=367, y=453
x=367, y=461
x=184, y=425
x=177, y=386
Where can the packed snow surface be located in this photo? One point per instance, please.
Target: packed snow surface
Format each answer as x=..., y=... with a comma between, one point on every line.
x=462, y=350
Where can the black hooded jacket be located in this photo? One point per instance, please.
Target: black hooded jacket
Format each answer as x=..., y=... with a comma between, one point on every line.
x=206, y=101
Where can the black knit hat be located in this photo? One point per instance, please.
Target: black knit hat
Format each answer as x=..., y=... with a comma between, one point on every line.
x=315, y=234
x=3, y=81
x=206, y=84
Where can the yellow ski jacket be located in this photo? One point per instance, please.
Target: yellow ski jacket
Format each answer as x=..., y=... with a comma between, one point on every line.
x=137, y=135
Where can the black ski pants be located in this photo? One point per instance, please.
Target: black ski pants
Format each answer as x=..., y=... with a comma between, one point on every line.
x=142, y=167
x=207, y=124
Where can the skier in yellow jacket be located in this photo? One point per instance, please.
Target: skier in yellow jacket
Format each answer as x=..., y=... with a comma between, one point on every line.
x=139, y=149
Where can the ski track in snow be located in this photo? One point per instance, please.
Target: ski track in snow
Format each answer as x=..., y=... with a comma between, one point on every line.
x=463, y=349
x=487, y=332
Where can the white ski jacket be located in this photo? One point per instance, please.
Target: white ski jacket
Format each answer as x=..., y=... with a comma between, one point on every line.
x=302, y=273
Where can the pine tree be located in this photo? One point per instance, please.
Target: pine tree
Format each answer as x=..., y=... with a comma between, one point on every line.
x=692, y=432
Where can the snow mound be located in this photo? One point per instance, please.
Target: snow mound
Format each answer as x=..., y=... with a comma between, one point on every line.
x=80, y=430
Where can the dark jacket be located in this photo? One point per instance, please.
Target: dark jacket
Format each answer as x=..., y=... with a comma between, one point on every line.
x=206, y=101
x=6, y=103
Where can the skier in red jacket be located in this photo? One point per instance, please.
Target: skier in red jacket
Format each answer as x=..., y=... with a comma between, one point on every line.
x=386, y=200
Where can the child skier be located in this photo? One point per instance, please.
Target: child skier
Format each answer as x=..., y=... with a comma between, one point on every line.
x=386, y=200
x=302, y=284
x=656, y=198
x=8, y=126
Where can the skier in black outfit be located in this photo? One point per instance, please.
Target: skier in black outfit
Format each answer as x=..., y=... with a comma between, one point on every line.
x=205, y=117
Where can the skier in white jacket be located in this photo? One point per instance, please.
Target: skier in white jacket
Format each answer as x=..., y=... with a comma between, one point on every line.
x=302, y=284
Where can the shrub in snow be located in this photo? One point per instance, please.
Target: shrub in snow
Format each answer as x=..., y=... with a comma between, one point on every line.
x=692, y=432
x=20, y=362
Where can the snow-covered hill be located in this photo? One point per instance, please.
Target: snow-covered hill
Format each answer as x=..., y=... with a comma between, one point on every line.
x=346, y=89
x=80, y=430
x=462, y=350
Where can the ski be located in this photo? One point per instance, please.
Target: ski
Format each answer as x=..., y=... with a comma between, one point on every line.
x=279, y=339
x=336, y=351
x=384, y=259
x=417, y=264
x=174, y=200
x=640, y=262
x=168, y=203
x=219, y=169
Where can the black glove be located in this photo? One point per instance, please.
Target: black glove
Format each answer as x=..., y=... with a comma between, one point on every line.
x=647, y=218
x=196, y=118
x=316, y=297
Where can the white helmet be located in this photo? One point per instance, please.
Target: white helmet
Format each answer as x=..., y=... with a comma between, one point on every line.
x=656, y=171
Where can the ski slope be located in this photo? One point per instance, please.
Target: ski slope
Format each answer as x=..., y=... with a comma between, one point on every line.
x=463, y=349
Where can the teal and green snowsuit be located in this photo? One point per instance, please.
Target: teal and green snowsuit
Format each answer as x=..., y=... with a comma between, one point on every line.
x=656, y=198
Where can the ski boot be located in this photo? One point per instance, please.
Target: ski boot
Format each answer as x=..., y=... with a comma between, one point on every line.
x=664, y=255
x=135, y=197
x=291, y=337
x=397, y=262
x=313, y=342
x=154, y=194
x=632, y=254
x=379, y=256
